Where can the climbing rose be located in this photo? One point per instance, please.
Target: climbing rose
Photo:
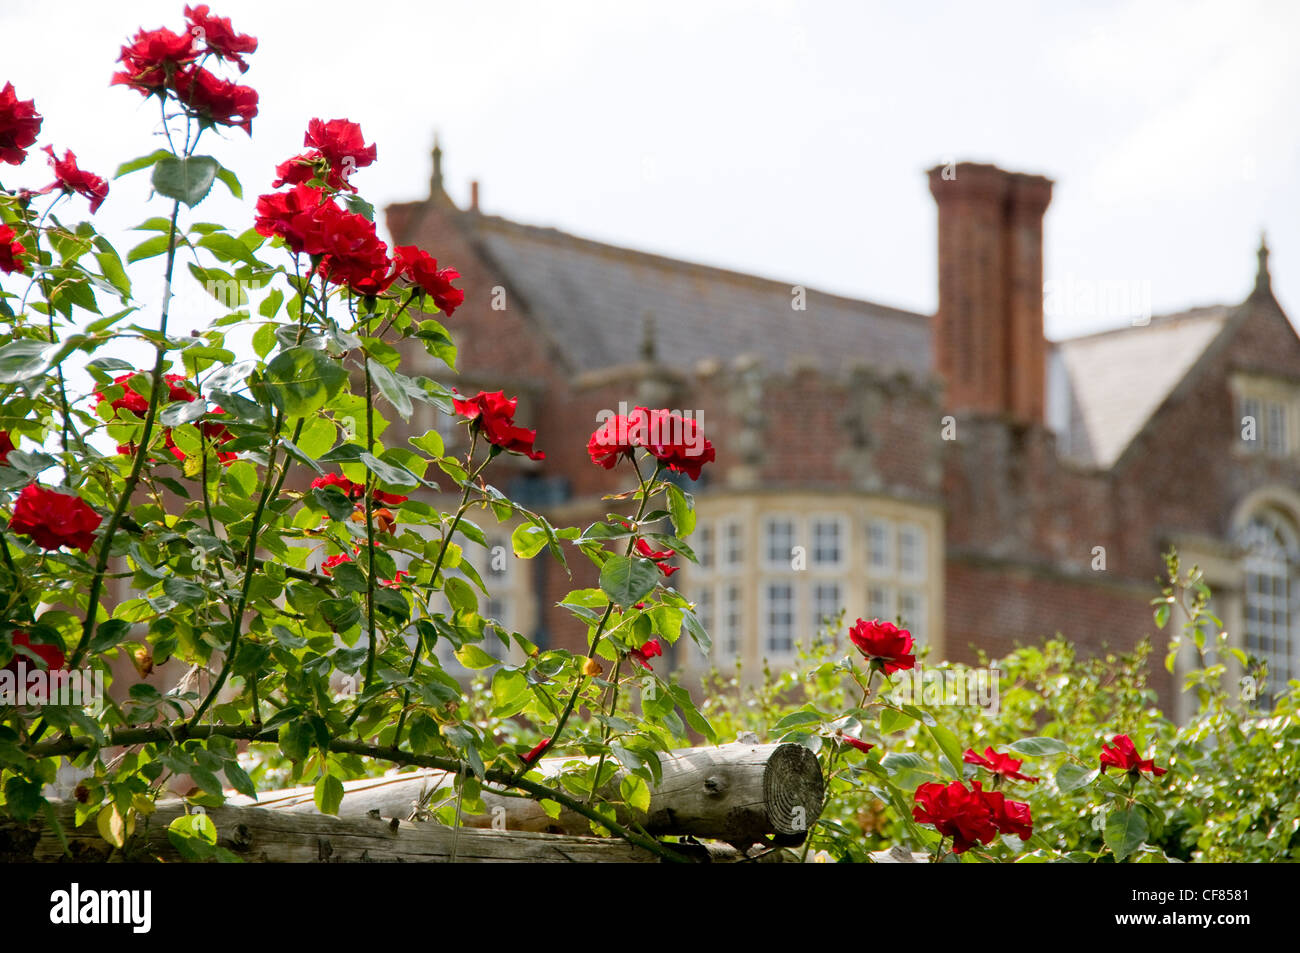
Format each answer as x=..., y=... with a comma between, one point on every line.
x=339, y=141
x=649, y=650
x=219, y=35
x=6, y=445
x=956, y=812
x=1009, y=817
x=611, y=440
x=355, y=491
x=177, y=390
x=678, y=443
x=658, y=557
x=298, y=216
x=494, y=413
x=885, y=644
x=54, y=519
x=305, y=167
x=20, y=123
x=1125, y=757
x=422, y=269
x=51, y=655
x=71, y=179
x=1002, y=765
x=153, y=58
x=354, y=254
x=862, y=746
x=333, y=561
x=11, y=252
x=217, y=100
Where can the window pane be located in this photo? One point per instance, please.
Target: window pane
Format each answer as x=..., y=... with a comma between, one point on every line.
x=880, y=556
x=1250, y=409
x=880, y=603
x=729, y=644
x=735, y=544
x=911, y=551
x=779, y=541
x=779, y=618
x=827, y=603
x=828, y=549
x=1275, y=430
x=911, y=606
x=703, y=545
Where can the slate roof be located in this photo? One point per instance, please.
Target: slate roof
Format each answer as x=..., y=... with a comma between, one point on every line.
x=1103, y=388
x=596, y=297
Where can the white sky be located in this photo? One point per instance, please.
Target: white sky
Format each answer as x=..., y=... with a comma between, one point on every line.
x=784, y=139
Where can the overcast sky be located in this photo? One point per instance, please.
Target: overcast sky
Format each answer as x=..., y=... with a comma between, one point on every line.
x=785, y=139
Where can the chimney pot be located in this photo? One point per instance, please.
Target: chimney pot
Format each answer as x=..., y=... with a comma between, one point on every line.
x=473, y=196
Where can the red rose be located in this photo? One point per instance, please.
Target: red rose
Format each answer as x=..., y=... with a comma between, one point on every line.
x=11, y=252
x=297, y=216
x=71, y=179
x=6, y=445
x=885, y=644
x=860, y=745
x=494, y=414
x=354, y=254
x=658, y=557
x=218, y=36
x=303, y=168
x=54, y=519
x=333, y=561
x=153, y=58
x=51, y=655
x=422, y=269
x=1009, y=817
x=1000, y=764
x=341, y=143
x=397, y=580
x=611, y=440
x=964, y=815
x=20, y=123
x=355, y=491
x=645, y=653
x=217, y=100
x=677, y=442
x=1125, y=757
x=537, y=751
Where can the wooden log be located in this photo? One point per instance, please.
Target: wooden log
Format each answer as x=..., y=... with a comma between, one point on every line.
x=259, y=835
x=739, y=793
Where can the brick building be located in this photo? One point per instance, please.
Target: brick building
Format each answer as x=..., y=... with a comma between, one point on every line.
x=958, y=470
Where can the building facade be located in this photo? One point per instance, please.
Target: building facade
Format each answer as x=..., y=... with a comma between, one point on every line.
x=957, y=470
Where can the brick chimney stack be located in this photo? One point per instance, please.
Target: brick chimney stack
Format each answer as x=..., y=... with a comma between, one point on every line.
x=988, y=332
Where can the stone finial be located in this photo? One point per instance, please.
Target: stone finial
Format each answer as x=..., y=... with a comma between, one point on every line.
x=435, y=180
x=649, y=347
x=1263, y=283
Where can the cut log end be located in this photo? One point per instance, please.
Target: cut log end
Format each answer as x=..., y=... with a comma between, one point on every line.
x=794, y=791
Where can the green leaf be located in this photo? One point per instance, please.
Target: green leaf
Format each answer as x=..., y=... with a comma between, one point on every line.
x=239, y=779
x=187, y=180
x=528, y=540
x=1071, y=776
x=328, y=794
x=22, y=797
x=391, y=388
x=389, y=472
x=682, y=507
x=1037, y=747
x=628, y=580
x=143, y=162
x=182, y=412
x=183, y=590
x=23, y=360
x=301, y=381
x=635, y=792
x=796, y=718
x=507, y=685
x=231, y=181
x=950, y=746
x=892, y=720
x=1125, y=831
x=471, y=656
x=149, y=248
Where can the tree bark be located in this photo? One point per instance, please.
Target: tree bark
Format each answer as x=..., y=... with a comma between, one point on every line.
x=737, y=793
x=258, y=835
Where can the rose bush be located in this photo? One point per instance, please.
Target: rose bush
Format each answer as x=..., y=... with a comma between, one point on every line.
x=263, y=530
